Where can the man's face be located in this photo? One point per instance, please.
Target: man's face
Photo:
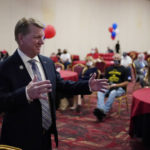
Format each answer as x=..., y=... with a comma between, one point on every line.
x=117, y=60
x=31, y=43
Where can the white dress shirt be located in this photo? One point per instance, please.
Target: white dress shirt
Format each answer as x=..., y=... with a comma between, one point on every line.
x=28, y=66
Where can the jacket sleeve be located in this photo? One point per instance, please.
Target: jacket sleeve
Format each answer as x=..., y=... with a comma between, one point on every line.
x=10, y=99
x=71, y=87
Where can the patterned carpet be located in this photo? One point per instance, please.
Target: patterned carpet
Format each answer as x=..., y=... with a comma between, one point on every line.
x=81, y=131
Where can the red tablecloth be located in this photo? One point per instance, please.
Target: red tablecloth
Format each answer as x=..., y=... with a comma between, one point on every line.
x=140, y=102
x=69, y=75
x=79, y=62
x=140, y=105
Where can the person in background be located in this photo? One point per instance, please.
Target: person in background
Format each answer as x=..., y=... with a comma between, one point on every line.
x=118, y=80
x=84, y=75
x=126, y=61
x=117, y=47
x=58, y=54
x=109, y=50
x=146, y=80
x=1, y=56
x=54, y=57
x=65, y=58
x=89, y=69
x=29, y=84
x=4, y=55
x=94, y=53
x=140, y=66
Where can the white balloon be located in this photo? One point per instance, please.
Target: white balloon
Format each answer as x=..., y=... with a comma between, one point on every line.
x=117, y=31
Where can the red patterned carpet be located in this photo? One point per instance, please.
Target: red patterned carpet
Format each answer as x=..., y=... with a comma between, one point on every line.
x=81, y=131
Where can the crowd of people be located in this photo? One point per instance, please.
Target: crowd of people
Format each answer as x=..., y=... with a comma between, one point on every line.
x=118, y=75
x=62, y=56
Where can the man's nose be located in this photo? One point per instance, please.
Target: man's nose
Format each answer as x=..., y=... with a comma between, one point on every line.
x=41, y=41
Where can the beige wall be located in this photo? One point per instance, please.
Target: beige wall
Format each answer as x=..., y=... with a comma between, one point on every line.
x=80, y=24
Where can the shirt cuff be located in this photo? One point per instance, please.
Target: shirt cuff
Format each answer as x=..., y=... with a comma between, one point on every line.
x=90, y=89
x=27, y=96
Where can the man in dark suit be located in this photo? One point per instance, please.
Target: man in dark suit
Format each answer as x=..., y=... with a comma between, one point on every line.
x=27, y=81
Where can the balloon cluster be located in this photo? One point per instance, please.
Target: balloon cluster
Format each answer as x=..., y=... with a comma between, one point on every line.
x=50, y=32
x=113, y=30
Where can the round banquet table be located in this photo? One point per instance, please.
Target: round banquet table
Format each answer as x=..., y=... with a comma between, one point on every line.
x=141, y=102
x=69, y=75
x=140, y=115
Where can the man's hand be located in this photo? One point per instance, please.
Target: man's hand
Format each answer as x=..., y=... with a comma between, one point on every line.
x=37, y=89
x=112, y=86
x=98, y=84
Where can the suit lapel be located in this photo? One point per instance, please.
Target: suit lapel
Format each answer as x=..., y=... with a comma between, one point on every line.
x=46, y=68
x=20, y=68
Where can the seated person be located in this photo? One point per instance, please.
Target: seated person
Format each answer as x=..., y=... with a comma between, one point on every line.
x=109, y=50
x=54, y=57
x=146, y=79
x=65, y=58
x=140, y=66
x=89, y=70
x=126, y=61
x=118, y=80
x=94, y=53
x=84, y=75
x=59, y=54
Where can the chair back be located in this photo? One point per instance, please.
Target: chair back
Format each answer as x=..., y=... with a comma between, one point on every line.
x=78, y=68
x=75, y=57
x=84, y=70
x=133, y=55
x=101, y=66
x=133, y=71
x=7, y=147
x=59, y=66
x=148, y=59
x=121, y=99
x=98, y=74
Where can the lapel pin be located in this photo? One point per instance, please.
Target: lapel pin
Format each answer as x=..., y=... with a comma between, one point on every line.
x=21, y=67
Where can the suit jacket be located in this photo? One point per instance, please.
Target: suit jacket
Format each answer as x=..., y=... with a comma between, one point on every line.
x=22, y=123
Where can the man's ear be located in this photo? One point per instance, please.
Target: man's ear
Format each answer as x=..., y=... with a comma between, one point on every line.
x=20, y=38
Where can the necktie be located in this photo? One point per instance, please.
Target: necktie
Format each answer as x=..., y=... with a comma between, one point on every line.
x=46, y=115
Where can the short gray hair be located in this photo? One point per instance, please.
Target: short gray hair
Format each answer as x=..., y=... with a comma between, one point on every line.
x=141, y=55
x=23, y=24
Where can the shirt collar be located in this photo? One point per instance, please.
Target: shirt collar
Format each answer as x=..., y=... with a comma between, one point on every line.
x=25, y=58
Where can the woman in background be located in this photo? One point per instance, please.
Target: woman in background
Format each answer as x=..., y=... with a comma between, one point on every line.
x=146, y=80
x=85, y=75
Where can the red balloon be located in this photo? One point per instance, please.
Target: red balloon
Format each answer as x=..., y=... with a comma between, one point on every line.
x=110, y=29
x=112, y=37
x=49, y=31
